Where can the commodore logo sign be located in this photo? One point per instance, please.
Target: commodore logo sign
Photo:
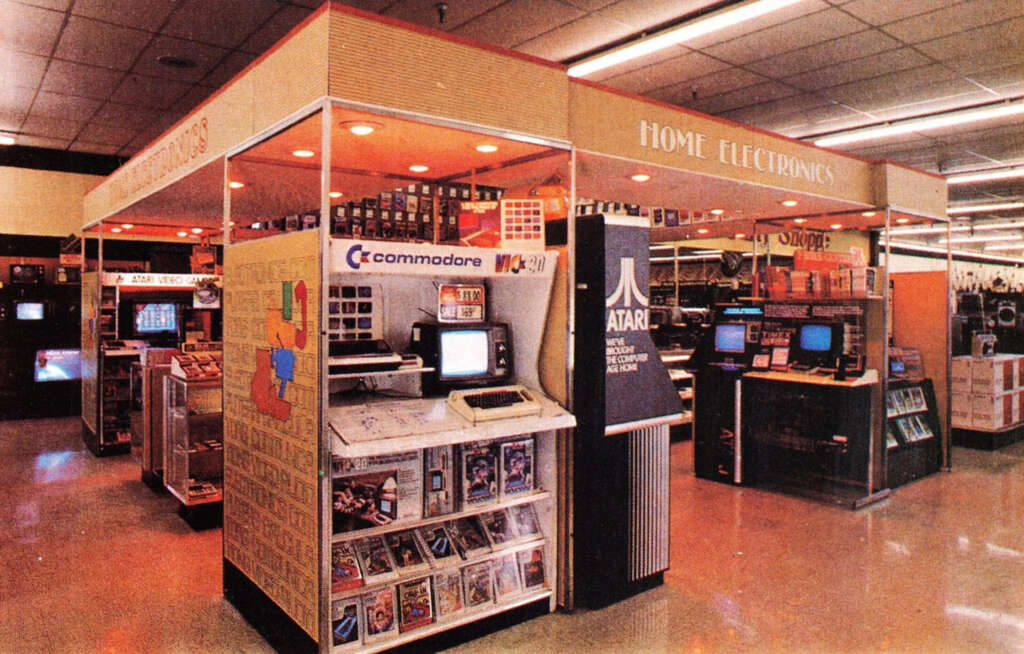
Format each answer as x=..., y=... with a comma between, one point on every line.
x=627, y=317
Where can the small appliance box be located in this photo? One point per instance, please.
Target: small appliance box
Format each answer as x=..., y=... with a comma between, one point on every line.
x=961, y=410
x=995, y=374
x=994, y=411
x=157, y=356
x=960, y=379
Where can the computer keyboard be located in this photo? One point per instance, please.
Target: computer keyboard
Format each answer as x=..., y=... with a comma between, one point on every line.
x=493, y=403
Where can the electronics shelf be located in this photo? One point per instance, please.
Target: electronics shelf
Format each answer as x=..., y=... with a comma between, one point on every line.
x=381, y=373
x=193, y=440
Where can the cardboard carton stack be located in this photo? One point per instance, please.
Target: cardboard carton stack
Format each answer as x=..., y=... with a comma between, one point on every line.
x=988, y=392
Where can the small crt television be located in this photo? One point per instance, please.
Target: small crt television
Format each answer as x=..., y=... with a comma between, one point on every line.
x=819, y=344
x=462, y=355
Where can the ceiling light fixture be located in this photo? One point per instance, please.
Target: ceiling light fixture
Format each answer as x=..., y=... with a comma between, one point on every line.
x=182, y=233
x=902, y=221
x=679, y=34
x=986, y=175
x=717, y=212
x=418, y=168
x=235, y=184
x=361, y=127
x=980, y=208
x=6, y=140
x=231, y=223
x=836, y=226
x=799, y=221
x=868, y=214
x=197, y=230
x=640, y=177
x=957, y=254
x=740, y=235
x=1005, y=246
x=127, y=225
x=992, y=238
x=923, y=123
x=116, y=230
x=789, y=203
x=303, y=154
x=702, y=230
x=335, y=194
x=486, y=148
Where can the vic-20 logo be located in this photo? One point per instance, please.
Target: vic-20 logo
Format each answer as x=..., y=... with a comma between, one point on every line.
x=626, y=318
x=357, y=256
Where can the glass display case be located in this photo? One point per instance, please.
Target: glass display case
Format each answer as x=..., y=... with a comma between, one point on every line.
x=193, y=440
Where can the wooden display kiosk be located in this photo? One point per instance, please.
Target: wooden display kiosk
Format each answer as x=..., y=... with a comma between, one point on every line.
x=346, y=203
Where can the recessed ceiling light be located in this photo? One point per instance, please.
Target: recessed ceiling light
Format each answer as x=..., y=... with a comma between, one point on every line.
x=235, y=184
x=799, y=221
x=789, y=203
x=303, y=154
x=361, y=127
x=335, y=194
x=6, y=140
x=740, y=235
x=418, y=168
x=182, y=233
x=836, y=226
x=197, y=230
x=486, y=148
x=640, y=177
x=902, y=221
x=231, y=223
x=127, y=225
x=867, y=214
x=702, y=230
x=176, y=61
x=717, y=212
x=116, y=230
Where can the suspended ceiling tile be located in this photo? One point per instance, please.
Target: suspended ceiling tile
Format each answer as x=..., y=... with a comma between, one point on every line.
x=882, y=12
x=750, y=96
x=98, y=148
x=313, y=4
x=57, y=5
x=424, y=12
x=55, y=105
x=139, y=141
x=274, y=29
x=934, y=98
x=107, y=134
x=648, y=14
x=89, y=41
x=133, y=116
x=57, y=128
x=21, y=69
x=517, y=21
x=44, y=142
x=575, y=38
x=888, y=89
x=665, y=54
x=372, y=6
x=667, y=73
x=226, y=23
x=1002, y=37
x=958, y=18
x=793, y=35
x=853, y=46
x=14, y=102
x=708, y=86
x=71, y=78
x=984, y=60
x=28, y=29
x=128, y=13
x=227, y=69
x=192, y=99
x=857, y=69
x=204, y=56
x=795, y=115
x=149, y=92
x=590, y=5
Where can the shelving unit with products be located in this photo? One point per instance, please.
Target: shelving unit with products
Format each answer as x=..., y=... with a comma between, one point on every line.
x=193, y=440
x=913, y=434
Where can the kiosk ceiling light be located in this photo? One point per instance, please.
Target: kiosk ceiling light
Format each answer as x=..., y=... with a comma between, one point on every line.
x=486, y=148
x=717, y=212
x=197, y=230
x=303, y=154
x=740, y=235
x=924, y=123
x=335, y=194
x=702, y=230
x=799, y=221
x=868, y=214
x=6, y=139
x=182, y=233
x=679, y=34
x=789, y=203
x=419, y=168
x=231, y=223
x=979, y=208
x=986, y=175
x=902, y=221
x=640, y=177
x=127, y=225
x=116, y=230
x=235, y=185
x=836, y=226
x=361, y=127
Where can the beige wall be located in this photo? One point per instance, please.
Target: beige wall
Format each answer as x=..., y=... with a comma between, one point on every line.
x=42, y=202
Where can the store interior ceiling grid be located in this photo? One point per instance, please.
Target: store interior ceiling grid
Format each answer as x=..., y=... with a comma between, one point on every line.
x=83, y=75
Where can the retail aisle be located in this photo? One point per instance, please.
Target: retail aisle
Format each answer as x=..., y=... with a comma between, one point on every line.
x=93, y=561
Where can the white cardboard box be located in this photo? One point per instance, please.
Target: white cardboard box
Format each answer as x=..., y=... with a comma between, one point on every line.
x=995, y=374
x=961, y=410
x=994, y=411
x=960, y=378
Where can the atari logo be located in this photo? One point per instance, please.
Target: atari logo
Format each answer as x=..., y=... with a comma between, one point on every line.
x=622, y=316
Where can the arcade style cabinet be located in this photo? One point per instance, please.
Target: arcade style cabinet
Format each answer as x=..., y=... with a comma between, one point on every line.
x=621, y=449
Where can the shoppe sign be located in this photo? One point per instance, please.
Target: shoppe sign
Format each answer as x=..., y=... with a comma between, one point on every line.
x=637, y=387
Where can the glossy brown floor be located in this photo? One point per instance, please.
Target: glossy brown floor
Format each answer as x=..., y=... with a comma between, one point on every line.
x=93, y=561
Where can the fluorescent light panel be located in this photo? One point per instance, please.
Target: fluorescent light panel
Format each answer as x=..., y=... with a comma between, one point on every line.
x=991, y=238
x=986, y=175
x=679, y=34
x=923, y=123
x=1005, y=246
x=916, y=247
x=981, y=208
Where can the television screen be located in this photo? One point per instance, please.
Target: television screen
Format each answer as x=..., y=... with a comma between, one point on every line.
x=463, y=353
x=384, y=506
x=28, y=310
x=816, y=338
x=57, y=365
x=155, y=318
x=730, y=337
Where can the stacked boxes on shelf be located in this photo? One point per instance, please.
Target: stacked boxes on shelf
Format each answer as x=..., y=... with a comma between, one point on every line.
x=987, y=392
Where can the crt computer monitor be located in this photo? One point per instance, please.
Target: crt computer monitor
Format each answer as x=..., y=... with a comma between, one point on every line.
x=28, y=310
x=819, y=344
x=463, y=354
x=730, y=338
x=155, y=319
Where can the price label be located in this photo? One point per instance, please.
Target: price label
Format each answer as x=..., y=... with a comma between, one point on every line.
x=461, y=303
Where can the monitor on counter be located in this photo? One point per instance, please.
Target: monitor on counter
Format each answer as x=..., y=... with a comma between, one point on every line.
x=155, y=319
x=819, y=343
x=57, y=365
x=730, y=338
x=463, y=355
